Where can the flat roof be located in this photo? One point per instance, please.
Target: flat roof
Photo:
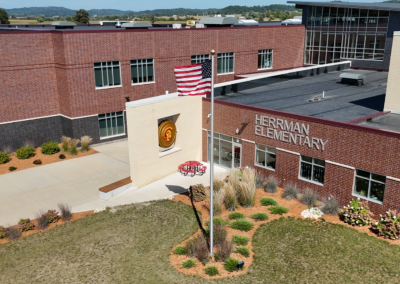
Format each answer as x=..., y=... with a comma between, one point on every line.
x=389, y=121
x=372, y=6
x=342, y=102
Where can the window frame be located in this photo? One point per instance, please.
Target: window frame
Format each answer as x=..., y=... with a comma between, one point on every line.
x=142, y=65
x=225, y=56
x=266, y=152
x=101, y=67
x=200, y=58
x=312, y=169
x=370, y=179
x=111, y=116
x=264, y=53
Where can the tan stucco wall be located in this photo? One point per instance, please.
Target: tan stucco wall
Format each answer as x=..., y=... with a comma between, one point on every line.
x=146, y=165
x=392, y=99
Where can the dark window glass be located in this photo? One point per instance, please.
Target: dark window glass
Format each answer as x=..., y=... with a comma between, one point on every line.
x=107, y=74
x=369, y=185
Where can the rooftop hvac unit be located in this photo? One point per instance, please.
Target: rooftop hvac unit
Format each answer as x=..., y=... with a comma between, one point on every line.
x=176, y=26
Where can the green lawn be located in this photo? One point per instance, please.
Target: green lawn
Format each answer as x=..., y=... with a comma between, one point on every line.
x=132, y=246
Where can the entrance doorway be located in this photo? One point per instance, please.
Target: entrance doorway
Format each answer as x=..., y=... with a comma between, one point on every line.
x=227, y=150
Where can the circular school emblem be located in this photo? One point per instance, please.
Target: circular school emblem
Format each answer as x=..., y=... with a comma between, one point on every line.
x=166, y=133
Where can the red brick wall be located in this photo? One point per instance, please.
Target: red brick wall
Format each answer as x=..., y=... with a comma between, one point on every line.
x=352, y=145
x=45, y=73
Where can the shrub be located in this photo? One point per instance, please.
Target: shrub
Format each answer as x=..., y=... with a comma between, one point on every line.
x=388, y=225
x=197, y=247
x=180, y=250
x=85, y=141
x=62, y=156
x=240, y=240
x=4, y=158
x=13, y=233
x=235, y=216
x=41, y=220
x=50, y=148
x=25, y=152
x=218, y=184
x=242, y=224
x=290, y=191
x=231, y=202
x=268, y=201
x=37, y=162
x=217, y=221
x=12, y=169
x=211, y=270
x=309, y=198
x=224, y=250
x=259, y=179
x=8, y=150
x=189, y=263
x=356, y=213
x=271, y=184
x=243, y=251
x=72, y=144
x=278, y=209
x=25, y=225
x=197, y=192
x=331, y=206
x=3, y=232
x=52, y=216
x=260, y=216
x=231, y=264
x=65, y=210
x=64, y=143
x=218, y=200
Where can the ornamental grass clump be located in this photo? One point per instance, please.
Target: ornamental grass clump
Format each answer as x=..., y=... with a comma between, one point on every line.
x=356, y=213
x=231, y=264
x=218, y=200
x=25, y=225
x=25, y=152
x=235, y=216
x=247, y=188
x=3, y=232
x=280, y=210
x=72, y=144
x=240, y=240
x=41, y=220
x=198, y=248
x=224, y=250
x=218, y=184
x=65, y=210
x=64, y=143
x=189, y=263
x=309, y=198
x=242, y=225
x=50, y=148
x=8, y=150
x=388, y=225
x=243, y=251
x=267, y=201
x=85, y=141
x=259, y=179
x=259, y=216
x=231, y=202
x=290, y=191
x=180, y=250
x=331, y=206
x=13, y=233
x=197, y=192
x=4, y=158
x=271, y=184
x=211, y=270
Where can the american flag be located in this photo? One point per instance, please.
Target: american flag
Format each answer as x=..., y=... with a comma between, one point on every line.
x=194, y=80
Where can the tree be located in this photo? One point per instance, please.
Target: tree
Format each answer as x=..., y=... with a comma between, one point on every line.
x=171, y=19
x=41, y=18
x=4, y=17
x=81, y=17
x=260, y=17
x=153, y=18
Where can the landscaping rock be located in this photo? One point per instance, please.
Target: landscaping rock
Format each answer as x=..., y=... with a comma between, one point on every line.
x=313, y=213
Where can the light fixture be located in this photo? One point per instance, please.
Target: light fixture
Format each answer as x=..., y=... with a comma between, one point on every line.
x=240, y=265
x=237, y=130
x=209, y=115
x=128, y=99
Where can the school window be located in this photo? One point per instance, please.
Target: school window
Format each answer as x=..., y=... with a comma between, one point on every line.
x=225, y=62
x=312, y=169
x=142, y=71
x=265, y=156
x=369, y=185
x=196, y=59
x=265, y=59
x=107, y=74
x=111, y=124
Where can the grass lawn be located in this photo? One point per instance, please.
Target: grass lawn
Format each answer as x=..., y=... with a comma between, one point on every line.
x=132, y=246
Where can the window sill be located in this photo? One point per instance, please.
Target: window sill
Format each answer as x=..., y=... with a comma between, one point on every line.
x=367, y=198
x=168, y=152
x=145, y=83
x=109, y=87
x=226, y=74
x=109, y=137
x=310, y=181
x=269, y=68
x=271, y=169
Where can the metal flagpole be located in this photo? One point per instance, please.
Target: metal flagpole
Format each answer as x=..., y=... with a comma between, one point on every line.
x=212, y=156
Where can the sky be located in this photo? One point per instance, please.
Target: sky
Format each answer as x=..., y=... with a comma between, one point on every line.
x=135, y=5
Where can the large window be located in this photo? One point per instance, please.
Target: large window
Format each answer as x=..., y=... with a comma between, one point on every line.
x=227, y=150
x=312, y=169
x=199, y=58
x=334, y=33
x=225, y=63
x=142, y=71
x=107, y=74
x=265, y=156
x=265, y=59
x=369, y=185
x=111, y=124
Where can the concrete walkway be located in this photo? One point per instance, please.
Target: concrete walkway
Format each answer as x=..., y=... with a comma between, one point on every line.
x=76, y=182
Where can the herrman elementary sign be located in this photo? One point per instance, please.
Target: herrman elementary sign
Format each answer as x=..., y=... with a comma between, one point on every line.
x=289, y=132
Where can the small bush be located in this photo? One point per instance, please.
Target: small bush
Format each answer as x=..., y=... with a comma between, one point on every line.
x=41, y=220
x=242, y=225
x=388, y=225
x=240, y=240
x=271, y=184
x=356, y=213
x=8, y=150
x=13, y=233
x=25, y=225
x=235, y=216
x=231, y=264
x=25, y=152
x=331, y=206
x=62, y=156
x=268, y=202
x=52, y=216
x=72, y=144
x=12, y=169
x=243, y=251
x=189, y=263
x=211, y=270
x=217, y=221
x=278, y=210
x=309, y=198
x=37, y=162
x=50, y=148
x=4, y=158
x=231, y=202
x=180, y=250
x=260, y=216
x=290, y=191
x=197, y=192
x=85, y=141
x=65, y=210
x=224, y=250
x=3, y=232
x=197, y=247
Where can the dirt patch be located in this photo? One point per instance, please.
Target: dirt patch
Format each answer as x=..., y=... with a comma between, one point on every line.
x=295, y=209
x=46, y=159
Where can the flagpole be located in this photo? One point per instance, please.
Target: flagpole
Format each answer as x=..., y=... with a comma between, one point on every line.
x=212, y=157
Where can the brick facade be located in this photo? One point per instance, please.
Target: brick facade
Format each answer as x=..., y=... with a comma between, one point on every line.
x=354, y=146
